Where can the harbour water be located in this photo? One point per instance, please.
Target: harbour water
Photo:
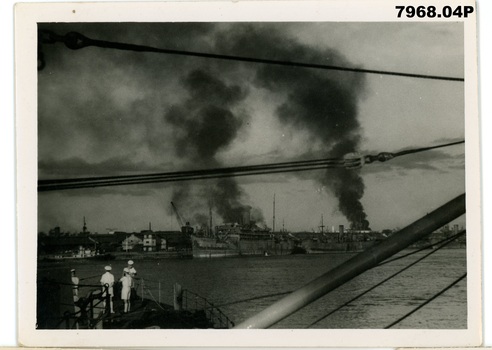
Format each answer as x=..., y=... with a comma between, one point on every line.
x=229, y=280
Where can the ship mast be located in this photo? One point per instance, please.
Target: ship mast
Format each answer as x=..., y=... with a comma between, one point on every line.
x=274, y=213
x=84, y=228
x=210, y=218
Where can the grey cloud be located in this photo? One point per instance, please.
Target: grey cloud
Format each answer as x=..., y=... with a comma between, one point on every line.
x=78, y=167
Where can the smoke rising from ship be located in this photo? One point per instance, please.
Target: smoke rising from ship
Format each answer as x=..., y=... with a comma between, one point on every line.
x=207, y=122
x=324, y=103
x=101, y=113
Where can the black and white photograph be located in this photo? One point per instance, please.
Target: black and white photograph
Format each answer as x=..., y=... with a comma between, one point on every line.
x=256, y=174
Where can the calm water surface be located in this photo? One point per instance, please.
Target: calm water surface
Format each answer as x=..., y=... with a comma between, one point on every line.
x=227, y=280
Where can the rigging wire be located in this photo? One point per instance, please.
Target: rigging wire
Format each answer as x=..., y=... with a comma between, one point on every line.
x=429, y=246
x=86, y=278
x=349, y=162
x=75, y=41
x=253, y=298
x=426, y=302
x=208, y=171
x=154, y=299
x=47, y=281
x=422, y=149
x=443, y=241
x=449, y=240
x=75, y=185
x=213, y=171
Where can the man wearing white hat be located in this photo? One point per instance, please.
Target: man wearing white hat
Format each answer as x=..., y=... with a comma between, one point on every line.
x=108, y=279
x=131, y=268
x=126, y=282
x=131, y=272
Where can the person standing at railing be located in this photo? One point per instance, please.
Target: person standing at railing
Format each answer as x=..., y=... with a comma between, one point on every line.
x=131, y=269
x=107, y=282
x=132, y=272
x=126, y=282
x=75, y=285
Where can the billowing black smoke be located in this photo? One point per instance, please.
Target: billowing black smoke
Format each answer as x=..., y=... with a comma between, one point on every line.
x=207, y=122
x=229, y=197
x=321, y=102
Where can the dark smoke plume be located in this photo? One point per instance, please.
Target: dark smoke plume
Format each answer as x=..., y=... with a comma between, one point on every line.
x=322, y=102
x=207, y=123
x=229, y=197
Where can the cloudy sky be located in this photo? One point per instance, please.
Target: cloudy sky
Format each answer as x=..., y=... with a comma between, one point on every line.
x=109, y=112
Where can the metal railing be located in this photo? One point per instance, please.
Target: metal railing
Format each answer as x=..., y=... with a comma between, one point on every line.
x=194, y=302
x=90, y=311
x=185, y=300
x=190, y=301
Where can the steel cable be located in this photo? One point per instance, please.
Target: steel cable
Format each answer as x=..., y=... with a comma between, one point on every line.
x=388, y=278
x=349, y=162
x=444, y=241
x=422, y=149
x=75, y=41
x=427, y=301
x=210, y=171
x=253, y=298
x=194, y=174
x=429, y=246
x=76, y=185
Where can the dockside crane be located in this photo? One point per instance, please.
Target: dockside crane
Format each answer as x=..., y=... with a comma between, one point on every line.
x=185, y=227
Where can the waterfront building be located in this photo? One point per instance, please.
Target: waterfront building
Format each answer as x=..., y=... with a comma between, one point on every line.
x=131, y=242
x=151, y=242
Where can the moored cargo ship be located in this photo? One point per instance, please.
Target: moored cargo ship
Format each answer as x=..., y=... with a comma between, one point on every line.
x=235, y=240
x=242, y=240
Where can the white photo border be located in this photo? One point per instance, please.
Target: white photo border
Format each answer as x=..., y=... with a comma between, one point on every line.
x=26, y=18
